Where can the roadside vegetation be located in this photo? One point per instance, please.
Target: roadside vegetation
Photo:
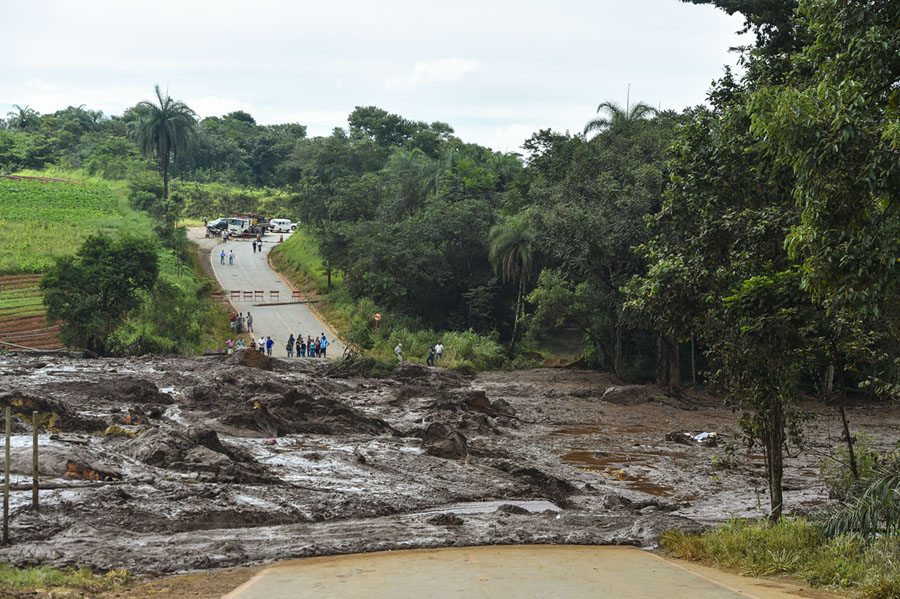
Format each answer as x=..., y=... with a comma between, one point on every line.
x=50, y=582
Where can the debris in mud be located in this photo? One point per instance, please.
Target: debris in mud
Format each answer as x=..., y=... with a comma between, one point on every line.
x=449, y=519
x=509, y=508
x=541, y=483
x=57, y=460
x=196, y=450
x=202, y=485
x=681, y=437
x=78, y=471
x=442, y=441
x=52, y=414
x=299, y=412
x=686, y=438
x=629, y=395
x=251, y=359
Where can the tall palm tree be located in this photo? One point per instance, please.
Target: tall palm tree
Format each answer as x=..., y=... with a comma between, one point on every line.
x=616, y=116
x=161, y=130
x=513, y=251
x=24, y=118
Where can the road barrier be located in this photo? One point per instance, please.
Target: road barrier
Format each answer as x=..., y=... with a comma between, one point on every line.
x=238, y=295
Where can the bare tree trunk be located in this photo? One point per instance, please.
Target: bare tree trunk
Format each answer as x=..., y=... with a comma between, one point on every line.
x=619, y=362
x=775, y=462
x=165, y=173
x=661, y=361
x=842, y=404
x=519, y=301
x=674, y=363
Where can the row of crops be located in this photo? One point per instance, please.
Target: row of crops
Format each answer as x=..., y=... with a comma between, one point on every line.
x=43, y=219
x=23, y=321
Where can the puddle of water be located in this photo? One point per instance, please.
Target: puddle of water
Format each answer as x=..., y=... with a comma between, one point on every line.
x=578, y=430
x=610, y=465
x=638, y=428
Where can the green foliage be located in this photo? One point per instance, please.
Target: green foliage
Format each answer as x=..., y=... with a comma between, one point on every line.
x=872, y=507
x=42, y=221
x=94, y=290
x=796, y=547
x=162, y=130
x=835, y=469
x=16, y=580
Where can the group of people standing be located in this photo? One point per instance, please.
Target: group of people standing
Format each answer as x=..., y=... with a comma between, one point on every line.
x=307, y=348
x=239, y=322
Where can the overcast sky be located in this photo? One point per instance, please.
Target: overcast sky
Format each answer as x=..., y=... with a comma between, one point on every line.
x=495, y=70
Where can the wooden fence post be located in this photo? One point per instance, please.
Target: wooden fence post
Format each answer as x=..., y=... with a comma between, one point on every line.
x=6, y=478
x=34, y=462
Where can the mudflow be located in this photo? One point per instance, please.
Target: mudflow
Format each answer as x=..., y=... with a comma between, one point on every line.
x=171, y=464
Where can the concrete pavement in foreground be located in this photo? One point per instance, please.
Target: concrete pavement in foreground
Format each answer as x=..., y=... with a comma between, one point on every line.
x=526, y=572
x=275, y=318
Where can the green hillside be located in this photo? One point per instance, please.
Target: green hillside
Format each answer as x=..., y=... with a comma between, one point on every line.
x=43, y=219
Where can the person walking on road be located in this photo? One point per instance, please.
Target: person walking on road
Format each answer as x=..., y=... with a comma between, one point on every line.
x=254, y=246
x=230, y=256
x=269, y=344
x=222, y=257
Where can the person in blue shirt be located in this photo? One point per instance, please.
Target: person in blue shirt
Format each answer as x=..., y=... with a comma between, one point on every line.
x=269, y=344
x=324, y=345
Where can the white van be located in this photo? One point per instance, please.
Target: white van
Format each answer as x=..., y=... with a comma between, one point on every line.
x=280, y=225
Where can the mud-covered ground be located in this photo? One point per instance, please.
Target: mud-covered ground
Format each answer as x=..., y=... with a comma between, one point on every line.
x=212, y=462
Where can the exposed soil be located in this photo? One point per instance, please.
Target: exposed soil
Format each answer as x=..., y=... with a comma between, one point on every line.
x=210, y=463
x=26, y=325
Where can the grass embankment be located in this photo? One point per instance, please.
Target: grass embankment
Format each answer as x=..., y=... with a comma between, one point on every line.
x=466, y=351
x=796, y=547
x=62, y=584
x=47, y=219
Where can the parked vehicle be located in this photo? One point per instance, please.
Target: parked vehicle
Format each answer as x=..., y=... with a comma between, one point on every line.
x=238, y=227
x=280, y=225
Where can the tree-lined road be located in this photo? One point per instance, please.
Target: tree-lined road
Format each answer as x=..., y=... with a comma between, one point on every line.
x=251, y=272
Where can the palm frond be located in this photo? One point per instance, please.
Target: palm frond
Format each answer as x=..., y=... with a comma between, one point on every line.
x=872, y=507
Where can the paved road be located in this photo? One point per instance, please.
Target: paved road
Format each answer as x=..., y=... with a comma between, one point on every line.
x=528, y=571
x=251, y=272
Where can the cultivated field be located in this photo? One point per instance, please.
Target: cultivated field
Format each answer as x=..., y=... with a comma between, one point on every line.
x=43, y=219
x=23, y=321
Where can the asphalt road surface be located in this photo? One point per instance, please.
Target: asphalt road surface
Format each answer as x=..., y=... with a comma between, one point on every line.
x=502, y=572
x=277, y=318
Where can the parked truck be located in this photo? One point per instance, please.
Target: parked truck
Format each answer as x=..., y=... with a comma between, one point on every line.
x=244, y=227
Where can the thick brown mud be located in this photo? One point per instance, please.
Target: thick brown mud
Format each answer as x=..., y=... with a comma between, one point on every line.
x=164, y=465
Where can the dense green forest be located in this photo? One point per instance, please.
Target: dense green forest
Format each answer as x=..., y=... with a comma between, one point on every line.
x=750, y=244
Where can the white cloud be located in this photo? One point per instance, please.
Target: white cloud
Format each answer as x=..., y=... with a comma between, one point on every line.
x=444, y=70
